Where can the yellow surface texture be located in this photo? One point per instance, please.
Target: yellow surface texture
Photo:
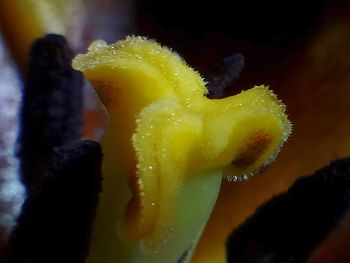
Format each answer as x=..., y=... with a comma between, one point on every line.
x=164, y=130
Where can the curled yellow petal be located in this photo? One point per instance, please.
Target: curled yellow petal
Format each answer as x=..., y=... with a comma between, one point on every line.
x=165, y=133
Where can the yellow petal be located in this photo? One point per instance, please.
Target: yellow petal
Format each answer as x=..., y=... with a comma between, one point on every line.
x=163, y=133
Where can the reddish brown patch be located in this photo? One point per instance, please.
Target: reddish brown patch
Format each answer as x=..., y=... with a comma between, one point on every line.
x=256, y=145
x=136, y=226
x=134, y=207
x=106, y=90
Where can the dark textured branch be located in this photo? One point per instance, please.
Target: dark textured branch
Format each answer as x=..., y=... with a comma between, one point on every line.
x=291, y=225
x=51, y=113
x=224, y=75
x=55, y=223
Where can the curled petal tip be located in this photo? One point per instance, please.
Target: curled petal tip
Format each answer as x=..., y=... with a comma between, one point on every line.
x=165, y=134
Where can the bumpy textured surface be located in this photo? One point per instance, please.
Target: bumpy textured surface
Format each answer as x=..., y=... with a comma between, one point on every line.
x=291, y=225
x=51, y=113
x=164, y=130
x=55, y=223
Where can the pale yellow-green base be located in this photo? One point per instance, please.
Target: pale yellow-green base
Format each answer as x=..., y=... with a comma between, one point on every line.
x=196, y=202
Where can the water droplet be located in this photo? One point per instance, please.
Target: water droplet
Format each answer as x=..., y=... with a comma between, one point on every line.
x=97, y=45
